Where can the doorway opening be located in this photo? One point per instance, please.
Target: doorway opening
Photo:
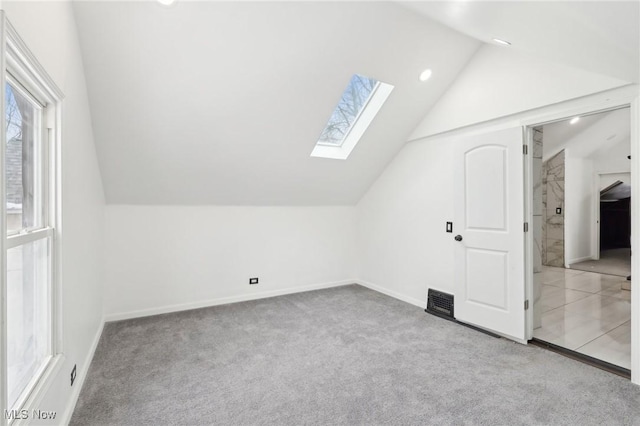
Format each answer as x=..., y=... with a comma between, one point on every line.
x=581, y=190
x=612, y=226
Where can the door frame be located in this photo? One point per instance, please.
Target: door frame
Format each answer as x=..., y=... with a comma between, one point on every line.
x=595, y=226
x=627, y=96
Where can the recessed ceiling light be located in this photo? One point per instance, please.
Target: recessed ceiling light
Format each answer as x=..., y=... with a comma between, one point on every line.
x=425, y=75
x=574, y=120
x=166, y=2
x=502, y=42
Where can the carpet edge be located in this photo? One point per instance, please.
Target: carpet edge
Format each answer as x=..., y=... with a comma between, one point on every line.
x=75, y=395
x=394, y=294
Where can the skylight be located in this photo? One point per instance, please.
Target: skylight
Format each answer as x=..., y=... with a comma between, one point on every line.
x=360, y=102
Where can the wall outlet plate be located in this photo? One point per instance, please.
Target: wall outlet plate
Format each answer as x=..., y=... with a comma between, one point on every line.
x=73, y=374
x=558, y=210
x=253, y=281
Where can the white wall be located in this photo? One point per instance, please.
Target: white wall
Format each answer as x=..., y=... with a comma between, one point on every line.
x=595, y=136
x=604, y=180
x=600, y=147
x=500, y=82
x=578, y=215
x=614, y=159
x=166, y=258
x=48, y=28
x=402, y=245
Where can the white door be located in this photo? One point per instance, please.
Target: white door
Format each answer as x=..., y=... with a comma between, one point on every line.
x=488, y=228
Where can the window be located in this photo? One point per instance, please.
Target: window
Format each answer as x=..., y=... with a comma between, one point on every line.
x=31, y=341
x=358, y=106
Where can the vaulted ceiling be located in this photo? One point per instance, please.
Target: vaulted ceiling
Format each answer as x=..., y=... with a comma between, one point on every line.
x=222, y=102
x=593, y=136
x=599, y=36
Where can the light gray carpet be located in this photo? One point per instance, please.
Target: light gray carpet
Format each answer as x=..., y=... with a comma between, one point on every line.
x=339, y=356
x=612, y=262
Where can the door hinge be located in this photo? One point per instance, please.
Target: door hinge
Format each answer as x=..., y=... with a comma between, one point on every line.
x=525, y=149
x=526, y=305
x=526, y=227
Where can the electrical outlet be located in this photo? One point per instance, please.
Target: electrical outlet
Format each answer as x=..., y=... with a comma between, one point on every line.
x=73, y=374
x=253, y=281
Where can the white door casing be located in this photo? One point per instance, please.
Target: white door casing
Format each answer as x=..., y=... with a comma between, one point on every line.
x=489, y=219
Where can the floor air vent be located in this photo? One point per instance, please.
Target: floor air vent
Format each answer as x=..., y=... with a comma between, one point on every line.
x=440, y=304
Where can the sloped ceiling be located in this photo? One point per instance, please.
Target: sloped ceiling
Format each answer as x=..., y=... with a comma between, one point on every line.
x=222, y=102
x=593, y=136
x=598, y=36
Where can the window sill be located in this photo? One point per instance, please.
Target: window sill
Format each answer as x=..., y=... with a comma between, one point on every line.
x=32, y=403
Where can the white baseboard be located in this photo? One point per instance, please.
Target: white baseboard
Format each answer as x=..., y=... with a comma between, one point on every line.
x=222, y=301
x=82, y=375
x=579, y=259
x=419, y=303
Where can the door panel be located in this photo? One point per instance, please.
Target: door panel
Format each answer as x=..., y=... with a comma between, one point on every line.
x=485, y=186
x=488, y=274
x=489, y=212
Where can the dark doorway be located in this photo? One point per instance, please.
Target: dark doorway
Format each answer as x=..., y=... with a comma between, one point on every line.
x=615, y=217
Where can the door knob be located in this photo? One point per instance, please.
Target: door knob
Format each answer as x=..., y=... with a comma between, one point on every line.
x=458, y=238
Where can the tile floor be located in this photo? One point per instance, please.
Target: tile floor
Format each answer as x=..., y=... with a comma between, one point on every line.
x=612, y=262
x=586, y=312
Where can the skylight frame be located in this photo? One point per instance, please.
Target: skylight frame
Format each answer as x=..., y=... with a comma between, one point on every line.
x=363, y=119
x=355, y=120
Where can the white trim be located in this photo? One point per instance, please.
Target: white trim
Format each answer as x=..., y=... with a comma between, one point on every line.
x=355, y=120
x=25, y=66
x=603, y=101
x=357, y=129
x=41, y=387
x=600, y=102
x=17, y=60
x=222, y=301
x=81, y=376
x=635, y=239
x=527, y=170
x=23, y=238
x=579, y=259
x=54, y=205
x=3, y=241
x=408, y=299
x=595, y=224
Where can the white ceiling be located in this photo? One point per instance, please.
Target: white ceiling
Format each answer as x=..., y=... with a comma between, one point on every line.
x=599, y=36
x=222, y=102
x=593, y=136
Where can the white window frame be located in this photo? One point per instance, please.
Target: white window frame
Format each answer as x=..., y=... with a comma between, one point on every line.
x=355, y=120
x=20, y=66
x=370, y=109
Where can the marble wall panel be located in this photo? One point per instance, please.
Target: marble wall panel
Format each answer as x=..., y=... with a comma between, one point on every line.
x=555, y=167
x=553, y=191
x=537, y=187
x=537, y=143
x=555, y=253
x=537, y=296
x=537, y=244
